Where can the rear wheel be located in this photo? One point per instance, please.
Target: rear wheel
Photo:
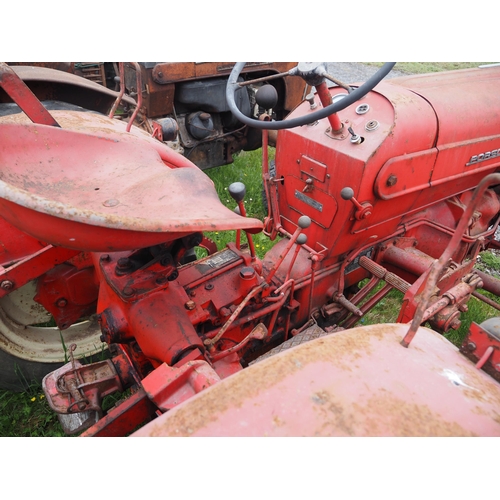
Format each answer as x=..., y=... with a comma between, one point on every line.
x=30, y=347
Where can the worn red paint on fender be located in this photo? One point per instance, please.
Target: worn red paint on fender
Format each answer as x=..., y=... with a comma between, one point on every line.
x=360, y=382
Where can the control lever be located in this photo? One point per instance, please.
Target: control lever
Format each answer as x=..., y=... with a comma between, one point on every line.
x=364, y=210
x=237, y=190
x=303, y=223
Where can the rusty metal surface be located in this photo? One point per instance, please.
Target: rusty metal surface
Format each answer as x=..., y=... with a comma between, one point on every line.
x=174, y=71
x=123, y=419
x=482, y=346
x=19, y=92
x=359, y=382
x=307, y=335
x=162, y=78
x=126, y=198
x=167, y=386
x=32, y=267
x=32, y=74
x=68, y=67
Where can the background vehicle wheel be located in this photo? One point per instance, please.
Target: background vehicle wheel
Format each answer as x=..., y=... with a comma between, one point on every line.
x=30, y=348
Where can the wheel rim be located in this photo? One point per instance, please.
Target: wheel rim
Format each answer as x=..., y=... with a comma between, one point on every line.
x=22, y=335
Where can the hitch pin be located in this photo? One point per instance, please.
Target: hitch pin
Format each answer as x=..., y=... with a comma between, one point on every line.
x=72, y=383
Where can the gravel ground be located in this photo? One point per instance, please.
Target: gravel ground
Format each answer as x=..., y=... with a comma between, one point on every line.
x=351, y=72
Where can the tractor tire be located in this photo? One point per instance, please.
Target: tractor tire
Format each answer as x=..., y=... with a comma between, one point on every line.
x=30, y=347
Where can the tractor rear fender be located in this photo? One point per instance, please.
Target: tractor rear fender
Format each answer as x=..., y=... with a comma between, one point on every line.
x=55, y=85
x=358, y=382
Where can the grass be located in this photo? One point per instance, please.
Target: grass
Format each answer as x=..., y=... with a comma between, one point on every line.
x=387, y=310
x=27, y=414
x=247, y=168
x=430, y=67
x=489, y=261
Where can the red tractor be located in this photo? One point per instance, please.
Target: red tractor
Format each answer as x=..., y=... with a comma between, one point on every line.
x=379, y=186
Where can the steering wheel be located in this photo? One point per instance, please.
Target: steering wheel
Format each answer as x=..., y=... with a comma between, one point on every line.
x=313, y=74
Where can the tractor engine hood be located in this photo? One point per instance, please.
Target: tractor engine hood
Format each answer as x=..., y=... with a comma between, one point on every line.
x=462, y=112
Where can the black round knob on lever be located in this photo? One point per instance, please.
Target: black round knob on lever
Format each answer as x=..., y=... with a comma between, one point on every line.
x=267, y=97
x=301, y=239
x=297, y=237
x=347, y=193
x=237, y=190
x=304, y=222
x=363, y=210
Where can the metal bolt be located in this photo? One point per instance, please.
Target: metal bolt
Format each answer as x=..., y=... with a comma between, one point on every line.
x=392, y=180
x=7, y=285
x=209, y=286
x=173, y=276
x=247, y=273
x=471, y=346
x=62, y=302
x=124, y=263
x=190, y=305
x=225, y=312
x=105, y=257
x=371, y=125
x=128, y=291
x=160, y=74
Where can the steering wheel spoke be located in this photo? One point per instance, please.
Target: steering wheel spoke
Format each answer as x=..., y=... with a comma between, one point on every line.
x=245, y=83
